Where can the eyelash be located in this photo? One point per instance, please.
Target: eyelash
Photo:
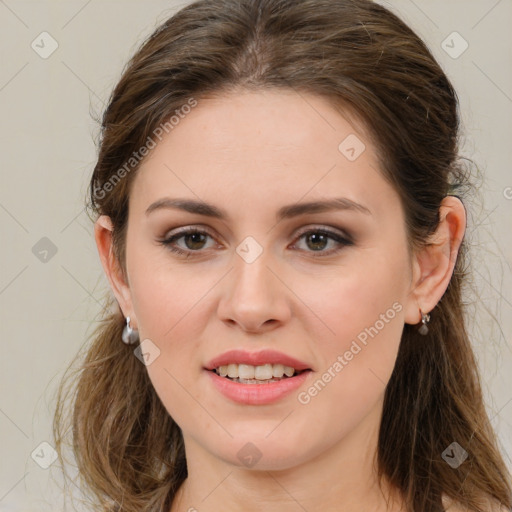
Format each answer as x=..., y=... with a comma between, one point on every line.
x=342, y=241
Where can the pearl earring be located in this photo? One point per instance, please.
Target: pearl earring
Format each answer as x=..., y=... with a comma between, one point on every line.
x=130, y=336
x=425, y=318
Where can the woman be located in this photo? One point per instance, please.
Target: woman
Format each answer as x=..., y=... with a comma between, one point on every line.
x=279, y=214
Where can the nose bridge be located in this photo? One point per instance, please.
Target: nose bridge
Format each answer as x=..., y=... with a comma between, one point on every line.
x=254, y=295
x=252, y=280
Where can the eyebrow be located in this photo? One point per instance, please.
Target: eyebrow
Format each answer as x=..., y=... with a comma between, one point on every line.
x=285, y=212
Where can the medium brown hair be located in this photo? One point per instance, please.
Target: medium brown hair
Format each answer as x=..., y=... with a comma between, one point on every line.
x=365, y=60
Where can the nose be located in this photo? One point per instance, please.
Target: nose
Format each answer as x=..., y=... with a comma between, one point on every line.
x=254, y=297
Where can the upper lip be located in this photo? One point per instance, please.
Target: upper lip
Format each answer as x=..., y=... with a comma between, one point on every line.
x=256, y=359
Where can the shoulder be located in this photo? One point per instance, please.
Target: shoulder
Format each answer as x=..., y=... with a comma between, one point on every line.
x=488, y=505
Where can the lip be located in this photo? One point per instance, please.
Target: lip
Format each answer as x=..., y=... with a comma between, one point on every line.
x=256, y=359
x=257, y=394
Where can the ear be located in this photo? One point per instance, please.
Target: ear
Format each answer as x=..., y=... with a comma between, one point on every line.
x=103, y=230
x=433, y=266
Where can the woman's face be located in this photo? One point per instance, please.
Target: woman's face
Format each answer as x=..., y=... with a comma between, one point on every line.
x=326, y=287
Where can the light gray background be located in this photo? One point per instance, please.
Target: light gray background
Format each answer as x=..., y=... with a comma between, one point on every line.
x=48, y=153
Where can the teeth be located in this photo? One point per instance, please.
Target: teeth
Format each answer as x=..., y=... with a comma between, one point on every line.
x=247, y=371
x=277, y=370
x=264, y=372
x=232, y=370
x=288, y=371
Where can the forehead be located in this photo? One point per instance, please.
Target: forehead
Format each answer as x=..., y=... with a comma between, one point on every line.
x=266, y=145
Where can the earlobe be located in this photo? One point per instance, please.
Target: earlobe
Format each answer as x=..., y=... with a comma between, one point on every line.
x=103, y=230
x=433, y=266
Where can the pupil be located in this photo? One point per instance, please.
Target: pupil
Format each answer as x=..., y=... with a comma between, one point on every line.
x=322, y=239
x=195, y=237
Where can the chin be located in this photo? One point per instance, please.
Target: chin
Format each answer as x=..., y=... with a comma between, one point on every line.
x=262, y=454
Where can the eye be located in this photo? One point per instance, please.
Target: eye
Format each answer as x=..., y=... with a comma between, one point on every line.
x=319, y=238
x=194, y=240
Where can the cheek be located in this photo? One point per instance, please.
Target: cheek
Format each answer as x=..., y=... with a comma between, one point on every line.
x=357, y=365
x=165, y=296
x=362, y=317
x=362, y=300
x=170, y=305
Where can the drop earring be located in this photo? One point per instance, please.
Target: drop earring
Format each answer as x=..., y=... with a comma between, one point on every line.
x=425, y=319
x=130, y=336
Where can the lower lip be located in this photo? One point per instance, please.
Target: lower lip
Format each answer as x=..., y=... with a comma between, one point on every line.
x=257, y=394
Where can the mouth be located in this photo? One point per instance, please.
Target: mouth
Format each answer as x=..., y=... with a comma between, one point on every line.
x=257, y=378
x=261, y=374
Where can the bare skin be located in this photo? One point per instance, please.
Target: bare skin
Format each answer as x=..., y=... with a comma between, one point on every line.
x=250, y=154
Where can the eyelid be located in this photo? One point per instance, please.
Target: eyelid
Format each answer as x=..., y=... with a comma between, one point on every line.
x=186, y=229
x=326, y=229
